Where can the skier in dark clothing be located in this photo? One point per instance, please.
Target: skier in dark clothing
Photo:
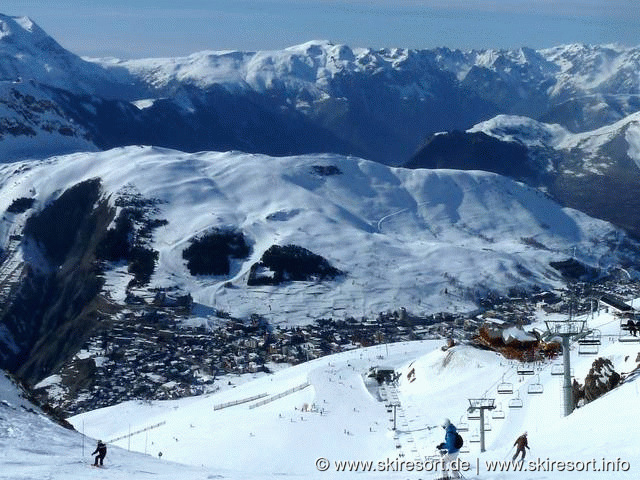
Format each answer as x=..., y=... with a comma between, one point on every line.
x=522, y=443
x=101, y=450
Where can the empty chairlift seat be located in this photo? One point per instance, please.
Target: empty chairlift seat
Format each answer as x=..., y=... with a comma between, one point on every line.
x=463, y=425
x=557, y=369
x=498, y=413
x=516, y=402
x=525, y=369
x=505, y=388
x=535, y=388
x=474, y=415
x=590, y=343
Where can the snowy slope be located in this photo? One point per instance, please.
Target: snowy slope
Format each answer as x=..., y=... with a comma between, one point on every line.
x=270, y=426
x=347, y=418
x=532, y=133
x=29, y=54
x=32, y=446
x=428, y=241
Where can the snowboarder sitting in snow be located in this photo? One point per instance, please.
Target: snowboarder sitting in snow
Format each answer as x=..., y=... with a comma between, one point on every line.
x=101, y=450
x=449, y=447
x=521, y=442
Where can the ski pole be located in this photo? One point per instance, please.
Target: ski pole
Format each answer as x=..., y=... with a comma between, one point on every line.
x=508, y=452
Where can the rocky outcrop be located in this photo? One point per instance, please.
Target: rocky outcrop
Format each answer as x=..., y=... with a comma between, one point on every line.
x=54, y=308
x=602, y=378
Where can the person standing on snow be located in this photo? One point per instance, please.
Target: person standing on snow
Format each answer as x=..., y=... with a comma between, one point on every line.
x=448, y=447
x=101, y=450
x=521, y=443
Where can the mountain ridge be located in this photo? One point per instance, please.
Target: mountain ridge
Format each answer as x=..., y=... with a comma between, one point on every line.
x=375, y=103
x=596, y=172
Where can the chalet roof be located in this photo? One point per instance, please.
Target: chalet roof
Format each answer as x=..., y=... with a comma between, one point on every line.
x=616, y=303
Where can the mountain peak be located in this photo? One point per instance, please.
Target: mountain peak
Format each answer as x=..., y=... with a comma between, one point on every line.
x=26, y=34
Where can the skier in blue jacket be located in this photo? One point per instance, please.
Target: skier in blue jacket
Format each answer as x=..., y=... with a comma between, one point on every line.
x=448, y=448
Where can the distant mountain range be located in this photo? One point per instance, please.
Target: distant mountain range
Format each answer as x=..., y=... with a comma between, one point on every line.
x=384, y=105
x=318, y=96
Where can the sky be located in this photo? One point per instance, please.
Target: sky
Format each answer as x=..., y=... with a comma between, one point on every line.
x=164, y=28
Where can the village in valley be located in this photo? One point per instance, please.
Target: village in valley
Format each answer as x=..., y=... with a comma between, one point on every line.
x=155, y=350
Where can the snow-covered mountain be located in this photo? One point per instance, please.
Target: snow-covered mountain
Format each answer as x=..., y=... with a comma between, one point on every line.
x=92, y=238
x=596, y=171
x=314, y=97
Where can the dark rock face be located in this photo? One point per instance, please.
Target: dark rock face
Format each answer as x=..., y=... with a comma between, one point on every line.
x=59, y=227
x=602, y=378
x=571, y=269
x=20, y=205
x=53, y=309
x=290, y=263
x=475, y=151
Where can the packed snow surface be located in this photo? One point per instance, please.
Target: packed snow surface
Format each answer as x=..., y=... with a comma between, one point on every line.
x=281, y=424
x=425, y=240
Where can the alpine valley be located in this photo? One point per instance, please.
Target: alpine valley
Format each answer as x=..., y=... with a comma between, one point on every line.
x=172, y=227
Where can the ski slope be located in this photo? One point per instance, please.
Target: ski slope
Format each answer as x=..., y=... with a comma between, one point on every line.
x=278, y=425
x=348, y=419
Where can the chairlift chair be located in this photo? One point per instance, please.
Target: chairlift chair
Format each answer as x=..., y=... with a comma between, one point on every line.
x=473, y=415
x=475, y=438
x=463, y=425
x=557, y=369
x=535, y=388
x=525, y=370
x=505, y=388
x=516, y=402
x=498, y=413
x=587, y=348
x=628, y=339
x=487, y=426
x=590, y=343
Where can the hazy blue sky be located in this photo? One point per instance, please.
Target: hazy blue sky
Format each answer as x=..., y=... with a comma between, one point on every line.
x=144, y=28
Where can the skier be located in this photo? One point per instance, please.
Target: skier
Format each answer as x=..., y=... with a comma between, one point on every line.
x=101, y=450
x=448, y=448
x=521, y=442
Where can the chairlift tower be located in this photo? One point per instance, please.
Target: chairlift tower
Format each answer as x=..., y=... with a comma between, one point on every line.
x=566, y=329
x=481, y=404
